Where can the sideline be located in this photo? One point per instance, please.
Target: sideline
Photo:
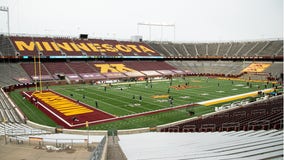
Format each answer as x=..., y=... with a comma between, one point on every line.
x=235, y=97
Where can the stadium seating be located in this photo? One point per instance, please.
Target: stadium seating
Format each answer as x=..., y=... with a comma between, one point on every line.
x=17, y=129
x=246, y=48
x=273, y=48
x=57, y=68
x=7, y=111
x=170, y=49
x=259, y=48
x=81, y=67
x=50, y=46
x=90, y=70
x=22, y=51
x=234, y=49
x=275, y=69
x=213, y=49
x=13, y=73
x=6, y=47
x=223, y=49
x=45, y=41
x=29, y=68
x=202, y=49
x=220, y=67
x=222, y=145
x=259, y=115
x=62, y=46
x=148, y=65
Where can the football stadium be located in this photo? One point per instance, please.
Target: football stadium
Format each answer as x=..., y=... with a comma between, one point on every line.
x=107, y=98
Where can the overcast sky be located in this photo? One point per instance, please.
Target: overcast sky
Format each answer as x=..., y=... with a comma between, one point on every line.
x=195, y=20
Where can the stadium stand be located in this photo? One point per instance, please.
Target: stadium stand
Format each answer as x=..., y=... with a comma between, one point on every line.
x=272, y=48
x=57, y=68
x=234, y=48
x=24, y=42
x=275, y=69
x=191, y=48
x=245, y=49
x=100, y=60
x=170, y=49
x=223, y=49
x=62, y=46
x=13, y=73
x=7, y=110
x=220, y=67
x=257, y=48
x=6, y=48
x=81, y=67
x=260, y=48
x=213, y=49
x=45, y=42
x=210, y=145
x=156, y=46
x=266, y=115
x=17, y=129
x=48, y=46
x=65, y=47
x=29, y=68
x=201, y=49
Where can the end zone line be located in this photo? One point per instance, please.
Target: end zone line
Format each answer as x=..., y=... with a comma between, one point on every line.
x=55, y=114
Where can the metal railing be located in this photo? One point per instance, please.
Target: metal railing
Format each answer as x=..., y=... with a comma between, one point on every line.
x=98, y=151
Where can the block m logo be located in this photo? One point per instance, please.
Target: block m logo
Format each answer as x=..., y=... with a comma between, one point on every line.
x=105, y=68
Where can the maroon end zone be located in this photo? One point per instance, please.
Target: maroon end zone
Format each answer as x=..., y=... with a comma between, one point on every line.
x=95, y=117
x=73, y=121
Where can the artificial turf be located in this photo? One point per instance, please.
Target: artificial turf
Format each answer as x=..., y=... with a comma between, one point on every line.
x=123, y=99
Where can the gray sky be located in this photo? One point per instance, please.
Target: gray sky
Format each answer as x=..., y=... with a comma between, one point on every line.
x=195, y=20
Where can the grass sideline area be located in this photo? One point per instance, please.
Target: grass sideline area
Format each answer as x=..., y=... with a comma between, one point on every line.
x=124, y=99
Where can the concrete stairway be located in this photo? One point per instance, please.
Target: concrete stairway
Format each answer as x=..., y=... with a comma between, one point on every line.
x=114, y=151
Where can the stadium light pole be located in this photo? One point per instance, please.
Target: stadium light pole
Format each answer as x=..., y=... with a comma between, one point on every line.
x=157, y=25
x=6, y=9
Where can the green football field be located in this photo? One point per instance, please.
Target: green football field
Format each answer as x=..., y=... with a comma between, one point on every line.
x=128, y=98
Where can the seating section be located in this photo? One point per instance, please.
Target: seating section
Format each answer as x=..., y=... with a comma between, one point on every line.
x=13, y=73
x=6, y=47
x=234, y=49
x=30, y=70
x=61, y=46
x=7, y=110
x=148, y=65
x=81, y=67
x=48, y=46
x=273, y=48
x=25, y=47
x=260, y=48
x=93, y=70
x=16, y=129
x=257, y=48
x=212, y=67
x=275, y=69
x=204, y=146
x=246, y=48
x=256, y=67
x=58, y=68
x=266, y=115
